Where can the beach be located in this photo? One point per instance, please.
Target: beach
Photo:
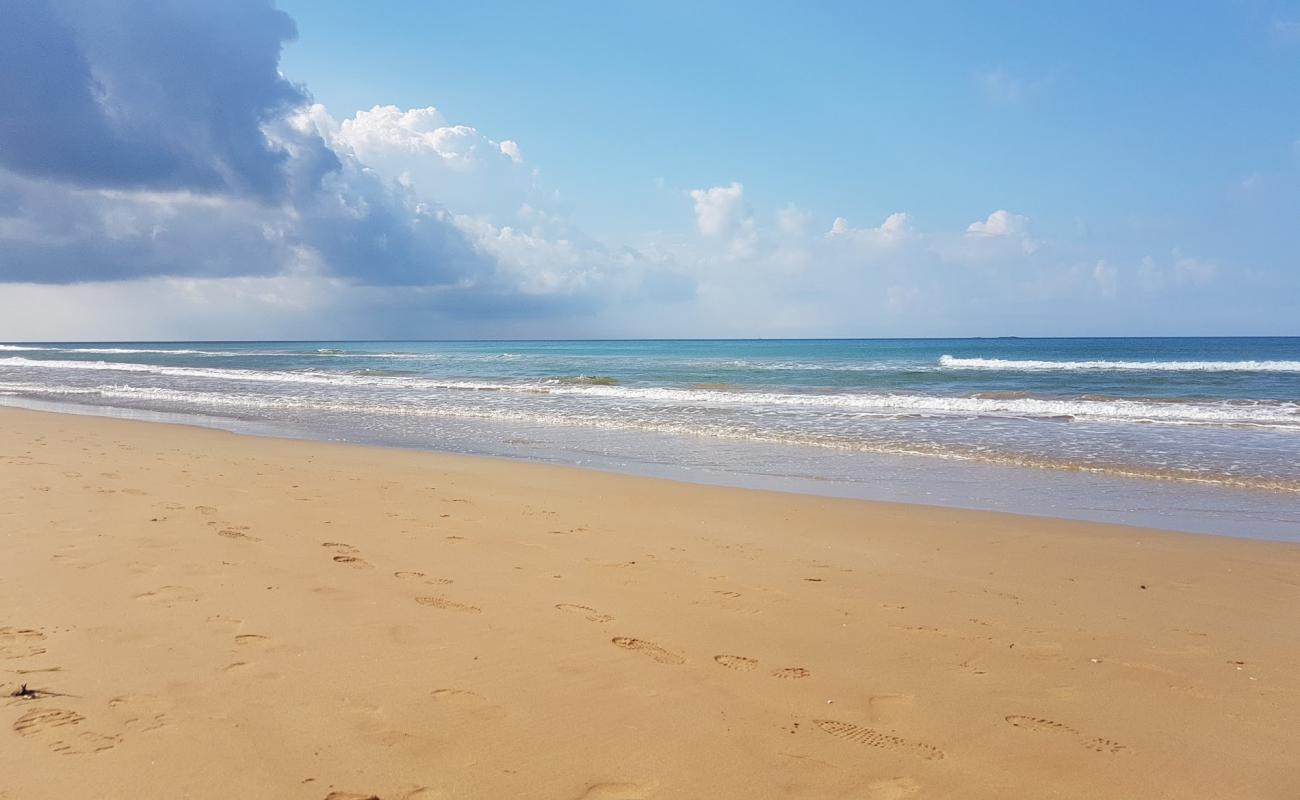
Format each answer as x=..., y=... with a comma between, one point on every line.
x=200, y=614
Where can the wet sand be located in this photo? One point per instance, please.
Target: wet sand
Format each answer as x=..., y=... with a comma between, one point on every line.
x=198, y=614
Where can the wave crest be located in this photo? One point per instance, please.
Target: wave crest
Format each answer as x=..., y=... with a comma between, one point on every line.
x=1029, y=365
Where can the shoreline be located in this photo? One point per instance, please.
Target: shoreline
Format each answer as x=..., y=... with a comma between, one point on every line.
x=207, y=614
x=922, y=480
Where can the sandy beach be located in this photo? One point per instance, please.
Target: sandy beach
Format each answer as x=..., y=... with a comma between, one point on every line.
x=197, y=614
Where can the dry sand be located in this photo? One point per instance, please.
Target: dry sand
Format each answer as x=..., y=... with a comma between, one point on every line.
x=205, y=615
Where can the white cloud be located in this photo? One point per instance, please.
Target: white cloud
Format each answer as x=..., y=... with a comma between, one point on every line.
x=999, y=223
x=792, y=220
x=383, y=130
x=896, y=228
x=456, y=166
x=511, y=149
x=1003, y=223
x=718, y=210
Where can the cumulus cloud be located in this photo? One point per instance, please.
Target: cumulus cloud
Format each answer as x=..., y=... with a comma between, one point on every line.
x=384, y=130
x=999, y=223
x=454, y=165
x=719, y=210
x=1005, y=225
x=896, y=228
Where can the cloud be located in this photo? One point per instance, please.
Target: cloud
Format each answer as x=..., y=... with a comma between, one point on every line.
x=999, y=223
x=719, y=210
x=335, y=215
x=384, y=130
x=453, y=165
x=792, y=220
x=160, y=95
x=511, y=149
x=159, y=139
x=896, y=228
x=1004, y=224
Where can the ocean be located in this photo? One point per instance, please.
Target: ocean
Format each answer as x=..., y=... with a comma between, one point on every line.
x=1191, y=433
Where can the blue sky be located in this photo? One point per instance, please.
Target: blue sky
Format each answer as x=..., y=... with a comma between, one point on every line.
x=1099, y=111
x=673, y=169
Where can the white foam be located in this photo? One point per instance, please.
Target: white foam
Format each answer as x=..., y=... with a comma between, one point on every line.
x=1276, y=414
x=1013, y=365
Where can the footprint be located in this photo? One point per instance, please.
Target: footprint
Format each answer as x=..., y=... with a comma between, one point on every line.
x=84, y=742
x=791, y=673
x=1102, y=745
x=170, y=595
x=56, y=725
x=1039, y=724
x=250, y=638
x=39, y=720
x=731, y=595
x=648, y=648
x=410, y=575
x=347, y=554
x=237, y=533
x=206, y=511
x=455, y=694
x=586, y=612
x=352, y=561
x=874, y=738
x=447, y=605
x=1096, y=743
x=738, y=663
x=20, y=643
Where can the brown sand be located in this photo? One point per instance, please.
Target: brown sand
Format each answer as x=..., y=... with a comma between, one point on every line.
x=204, y=615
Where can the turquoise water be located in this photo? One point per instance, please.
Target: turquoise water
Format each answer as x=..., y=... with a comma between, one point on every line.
x=1217, y=412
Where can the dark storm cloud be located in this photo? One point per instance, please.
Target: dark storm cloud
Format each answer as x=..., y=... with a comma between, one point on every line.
x=144, y=138
x=167, y=94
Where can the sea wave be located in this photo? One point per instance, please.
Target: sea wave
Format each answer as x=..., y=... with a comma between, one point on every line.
x=1256, y=413
x=184, y=400
x=1032, y=365
x=128, y=351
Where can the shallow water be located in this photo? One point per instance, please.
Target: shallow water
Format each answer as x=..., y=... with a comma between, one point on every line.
x=1165, y=423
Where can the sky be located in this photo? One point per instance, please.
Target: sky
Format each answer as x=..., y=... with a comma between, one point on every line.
x=175, y=169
